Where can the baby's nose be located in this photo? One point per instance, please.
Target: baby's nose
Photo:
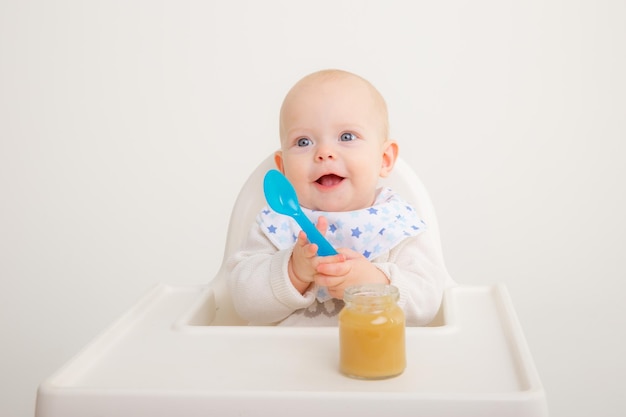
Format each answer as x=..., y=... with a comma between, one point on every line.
x=323, y=156
x=324, y=153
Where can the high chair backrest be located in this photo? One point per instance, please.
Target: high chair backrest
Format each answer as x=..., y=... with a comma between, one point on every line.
x=251, y=200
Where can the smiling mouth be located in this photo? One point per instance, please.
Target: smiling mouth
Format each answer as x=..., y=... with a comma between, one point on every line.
x=329, y=180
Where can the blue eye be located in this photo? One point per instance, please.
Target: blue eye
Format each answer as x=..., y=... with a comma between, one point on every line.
x=302, y=142
x=347, y=137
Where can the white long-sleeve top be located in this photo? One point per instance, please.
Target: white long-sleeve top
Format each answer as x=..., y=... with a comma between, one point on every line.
x=262, y=292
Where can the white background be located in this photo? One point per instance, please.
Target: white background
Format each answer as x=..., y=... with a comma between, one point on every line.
x=128, y=127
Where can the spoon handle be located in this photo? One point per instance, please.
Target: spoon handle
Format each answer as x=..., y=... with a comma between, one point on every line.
x=324, y=248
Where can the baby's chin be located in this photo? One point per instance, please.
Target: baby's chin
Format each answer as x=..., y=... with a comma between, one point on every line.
x=335, y=206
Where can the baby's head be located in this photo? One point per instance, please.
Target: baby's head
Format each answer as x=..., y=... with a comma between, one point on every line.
x=334, y=136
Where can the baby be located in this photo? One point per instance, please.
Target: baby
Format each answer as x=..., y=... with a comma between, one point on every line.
x=335, y=146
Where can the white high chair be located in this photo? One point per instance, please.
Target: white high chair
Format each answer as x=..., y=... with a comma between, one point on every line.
x=181, y=351
x=251, y=200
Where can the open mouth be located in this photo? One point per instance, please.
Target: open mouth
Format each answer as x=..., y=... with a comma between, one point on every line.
x=329, y=180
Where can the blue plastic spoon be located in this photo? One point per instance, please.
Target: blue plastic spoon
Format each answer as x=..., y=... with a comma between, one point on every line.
x=282, y=198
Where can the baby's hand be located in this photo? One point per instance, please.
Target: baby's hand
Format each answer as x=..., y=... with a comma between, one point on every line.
x=354, y=269
x=304, y=260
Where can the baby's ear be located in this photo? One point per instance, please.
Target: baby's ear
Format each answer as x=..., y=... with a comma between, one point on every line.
x=278, y=160
x=390, y=154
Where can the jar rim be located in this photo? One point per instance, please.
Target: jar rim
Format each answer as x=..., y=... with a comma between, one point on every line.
x=370, y=291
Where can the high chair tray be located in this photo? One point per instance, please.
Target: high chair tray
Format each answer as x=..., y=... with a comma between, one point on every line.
x=160, y=359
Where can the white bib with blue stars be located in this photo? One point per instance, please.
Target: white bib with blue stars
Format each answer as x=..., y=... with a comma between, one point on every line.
x=370, y=231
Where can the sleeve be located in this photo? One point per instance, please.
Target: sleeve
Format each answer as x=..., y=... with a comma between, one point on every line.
x=421, y=277
x=259, y=283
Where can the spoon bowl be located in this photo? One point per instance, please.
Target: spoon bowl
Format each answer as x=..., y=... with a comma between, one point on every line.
x=281, y=197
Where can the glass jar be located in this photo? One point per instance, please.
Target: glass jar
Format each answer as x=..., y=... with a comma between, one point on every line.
x=371, y=332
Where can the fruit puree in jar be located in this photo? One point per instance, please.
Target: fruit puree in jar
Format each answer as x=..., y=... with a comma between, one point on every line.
x=371, y=333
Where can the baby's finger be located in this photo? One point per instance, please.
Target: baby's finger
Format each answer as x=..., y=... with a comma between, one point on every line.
x=329, y=282
x=302, y=239
x=311, y=250
x=332, y=259
x=322, y=225
x=333, y=269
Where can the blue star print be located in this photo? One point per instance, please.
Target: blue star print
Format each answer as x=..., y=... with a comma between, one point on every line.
x=370, y=231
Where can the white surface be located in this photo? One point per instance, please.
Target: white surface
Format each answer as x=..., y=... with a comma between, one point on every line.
x=128, y=127
x=155, y=361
